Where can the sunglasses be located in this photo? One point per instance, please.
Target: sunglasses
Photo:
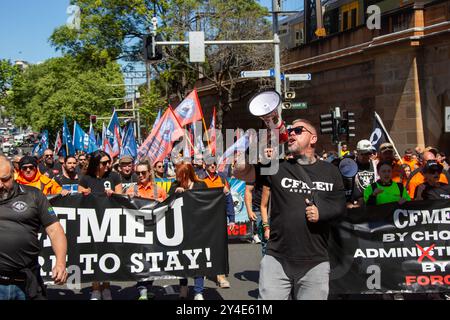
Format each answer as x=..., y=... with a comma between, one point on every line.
x=105, y=162
x=433, y=171
x=159, y=167
x=5, y=179
x=82, y=159
x=141, y=172
x=25, y=168
x=297, y=130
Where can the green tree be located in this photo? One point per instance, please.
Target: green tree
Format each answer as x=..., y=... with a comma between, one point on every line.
x=114, y=29
x=62, y=87
x=8, y=72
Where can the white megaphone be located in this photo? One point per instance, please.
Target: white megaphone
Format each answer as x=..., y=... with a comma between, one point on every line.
x=267, y=106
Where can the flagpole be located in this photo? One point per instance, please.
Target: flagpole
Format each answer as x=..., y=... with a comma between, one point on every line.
x=207, y=136
x=388, y=136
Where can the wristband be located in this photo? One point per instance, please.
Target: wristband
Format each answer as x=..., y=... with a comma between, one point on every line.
x=265, y=225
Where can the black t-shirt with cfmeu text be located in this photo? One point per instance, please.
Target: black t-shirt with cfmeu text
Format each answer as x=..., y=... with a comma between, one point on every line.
x=292, y=237
x=98, y=185
x=22, y=215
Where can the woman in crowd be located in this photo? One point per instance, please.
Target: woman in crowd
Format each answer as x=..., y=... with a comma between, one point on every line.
x=146, y=188
x=405, y=173
x=187, y=180
x=99, y=179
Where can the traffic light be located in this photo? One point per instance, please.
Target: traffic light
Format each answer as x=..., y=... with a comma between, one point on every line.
x=346, y=125
x=93, y=119
x=152, y=52
x=327, y=123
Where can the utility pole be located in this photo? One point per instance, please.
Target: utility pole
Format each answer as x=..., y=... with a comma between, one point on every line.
x=276, y=8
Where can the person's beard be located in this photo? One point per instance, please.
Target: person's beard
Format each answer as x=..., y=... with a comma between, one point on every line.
x=4, y=194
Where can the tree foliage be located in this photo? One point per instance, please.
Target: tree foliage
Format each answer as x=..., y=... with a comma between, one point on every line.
x=8, y=72
x=114, y=29
x=62, y=87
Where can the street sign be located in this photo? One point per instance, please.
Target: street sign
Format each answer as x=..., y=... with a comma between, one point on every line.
x=196, y=46
x=256, y=74
x=299, y=76
x=299, y=105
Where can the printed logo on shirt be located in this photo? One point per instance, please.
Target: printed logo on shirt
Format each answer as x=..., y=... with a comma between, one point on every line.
x=298, y=186
x=19, y=206
x=107, y=185
x=51, y=211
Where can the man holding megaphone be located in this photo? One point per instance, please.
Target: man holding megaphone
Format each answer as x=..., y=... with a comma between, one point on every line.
x=305, y=195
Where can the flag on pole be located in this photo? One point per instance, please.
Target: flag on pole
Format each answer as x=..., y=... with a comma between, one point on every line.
x=82, y=141
x=158, y=116
x=160, y=141
x=43, y=144
x=241, y=145
x=212, y=133
x=92, y=135
x=129, y=146
x=380, y=135
x=189, y=110
x=58, y=144
x=68, y=149
x=103, y=137
x=111, y=131
x=197, y=138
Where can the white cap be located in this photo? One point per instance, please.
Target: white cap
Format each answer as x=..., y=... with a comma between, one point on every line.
x=364, y=145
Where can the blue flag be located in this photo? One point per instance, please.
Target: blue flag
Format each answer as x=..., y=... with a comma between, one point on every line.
x=82, y=141
x=129, y=146
x=42, y=145
x=111, y=129
x=68, y=149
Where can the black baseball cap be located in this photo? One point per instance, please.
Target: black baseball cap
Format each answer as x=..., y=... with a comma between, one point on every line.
x=28, y=160
x=432, y=166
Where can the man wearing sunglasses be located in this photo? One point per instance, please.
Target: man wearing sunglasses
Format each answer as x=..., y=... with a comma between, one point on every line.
x=48, y=166
x=30, y=175
x=432, y=189
x=305, y=194
x=24, y=210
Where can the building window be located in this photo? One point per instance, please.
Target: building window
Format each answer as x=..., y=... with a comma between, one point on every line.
x=345, y=21
x=353, y=20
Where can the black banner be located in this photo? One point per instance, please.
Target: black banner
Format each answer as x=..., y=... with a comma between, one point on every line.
x=392, y=248
x=121, y=239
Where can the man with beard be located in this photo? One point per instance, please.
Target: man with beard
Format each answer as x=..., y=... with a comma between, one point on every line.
x=48, y=166
x=68, y=180
x=24, y=210
x=305, y=195
x=82, y=163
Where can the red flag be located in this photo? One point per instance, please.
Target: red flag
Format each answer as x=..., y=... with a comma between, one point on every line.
x=212, y=133
x=160, y=141
x=189, y=110
x=58, y=144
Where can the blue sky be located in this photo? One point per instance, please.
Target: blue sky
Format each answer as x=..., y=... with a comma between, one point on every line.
x=26, y=25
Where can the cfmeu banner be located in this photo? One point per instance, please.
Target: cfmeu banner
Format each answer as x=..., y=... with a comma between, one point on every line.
x=118, y=239
x=392, y=248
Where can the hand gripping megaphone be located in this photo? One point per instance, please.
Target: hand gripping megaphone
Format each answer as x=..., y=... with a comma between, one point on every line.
x=267, y=106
